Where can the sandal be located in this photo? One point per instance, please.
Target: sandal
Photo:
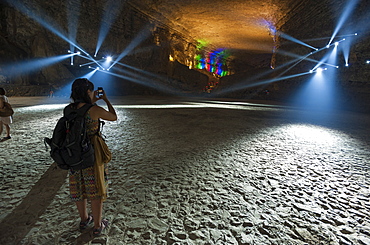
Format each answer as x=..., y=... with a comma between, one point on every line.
x=104, y=224
x=84, y=225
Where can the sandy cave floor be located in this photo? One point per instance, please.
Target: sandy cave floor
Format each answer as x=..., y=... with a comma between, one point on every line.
x=196, y=172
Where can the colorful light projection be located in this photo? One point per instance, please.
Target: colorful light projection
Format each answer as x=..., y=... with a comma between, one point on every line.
x=214, y=62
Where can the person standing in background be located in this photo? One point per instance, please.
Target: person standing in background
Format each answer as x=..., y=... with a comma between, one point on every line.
x=4, y=121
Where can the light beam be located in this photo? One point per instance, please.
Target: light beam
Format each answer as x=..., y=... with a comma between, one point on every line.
x=111, y=11
x=42, y=21
x=18, y=68
x=286, y=36
x=134, y=43
x=343, y=18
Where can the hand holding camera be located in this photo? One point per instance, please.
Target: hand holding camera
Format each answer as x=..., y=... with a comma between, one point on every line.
x=100, y=92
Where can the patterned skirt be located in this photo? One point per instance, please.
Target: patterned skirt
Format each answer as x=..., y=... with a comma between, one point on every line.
x=82, y=184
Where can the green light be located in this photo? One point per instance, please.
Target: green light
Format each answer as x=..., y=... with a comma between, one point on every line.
x=201, y=44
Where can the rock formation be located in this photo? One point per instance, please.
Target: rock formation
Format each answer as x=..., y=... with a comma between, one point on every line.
x=180, y=47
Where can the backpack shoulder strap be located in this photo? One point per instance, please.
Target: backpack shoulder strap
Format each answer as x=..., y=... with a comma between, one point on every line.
x=67, y=110
x=81, y=111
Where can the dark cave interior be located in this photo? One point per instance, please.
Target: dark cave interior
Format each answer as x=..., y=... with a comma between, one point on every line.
x=239, y=49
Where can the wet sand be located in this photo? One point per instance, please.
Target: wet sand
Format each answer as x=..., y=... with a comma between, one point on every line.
x=196, y=172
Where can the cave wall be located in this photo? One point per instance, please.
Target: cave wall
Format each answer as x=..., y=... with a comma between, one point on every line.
x=314, y=20
x=23, y=39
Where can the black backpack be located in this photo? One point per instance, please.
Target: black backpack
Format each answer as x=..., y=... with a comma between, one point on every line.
x=70, y=145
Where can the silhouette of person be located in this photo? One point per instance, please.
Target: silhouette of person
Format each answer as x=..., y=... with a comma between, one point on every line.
x=5, y=121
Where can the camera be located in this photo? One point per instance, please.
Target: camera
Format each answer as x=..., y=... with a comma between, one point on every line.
x=100, y=91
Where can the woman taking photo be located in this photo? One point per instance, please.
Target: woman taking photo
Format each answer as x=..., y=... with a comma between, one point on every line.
x=91, y=183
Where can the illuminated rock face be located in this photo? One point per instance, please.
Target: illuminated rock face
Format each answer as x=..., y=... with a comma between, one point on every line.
x=232, y=24
x=40, y=31
x=179, y=34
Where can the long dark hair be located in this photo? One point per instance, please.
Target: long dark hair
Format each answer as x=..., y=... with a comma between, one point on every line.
x=79, y=91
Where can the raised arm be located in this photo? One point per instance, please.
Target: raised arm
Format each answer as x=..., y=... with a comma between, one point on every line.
x=99, y=112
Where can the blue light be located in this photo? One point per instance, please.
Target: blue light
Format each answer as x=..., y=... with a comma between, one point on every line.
x=111, y=11
x=141, y=36
x=286, y=36
x=18, y=68
x=347, y=10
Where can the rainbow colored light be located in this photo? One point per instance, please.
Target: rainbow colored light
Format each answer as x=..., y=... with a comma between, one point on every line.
x=214, y=62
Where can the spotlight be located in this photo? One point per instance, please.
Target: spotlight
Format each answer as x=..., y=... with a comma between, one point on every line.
x=336, y=43
x=319, y=70
x=327, y=46
x=71, y=63
x=368, y=62
x=69, y=51
x=346, y=65
x=356, y=34
x=78, y=52
x=109, y=58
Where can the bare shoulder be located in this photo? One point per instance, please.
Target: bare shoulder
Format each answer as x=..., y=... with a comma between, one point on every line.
x=95, y=112
x=98, y=112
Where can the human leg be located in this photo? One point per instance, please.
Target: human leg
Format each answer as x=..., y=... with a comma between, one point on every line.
x=82, y=209
x=99, y=223
x=1, y=127
x=97, y=210
x=86, y=219
x=7, y=128
x=5, y=122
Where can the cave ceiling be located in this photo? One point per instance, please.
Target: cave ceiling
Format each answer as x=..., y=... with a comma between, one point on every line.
x=243, y=25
